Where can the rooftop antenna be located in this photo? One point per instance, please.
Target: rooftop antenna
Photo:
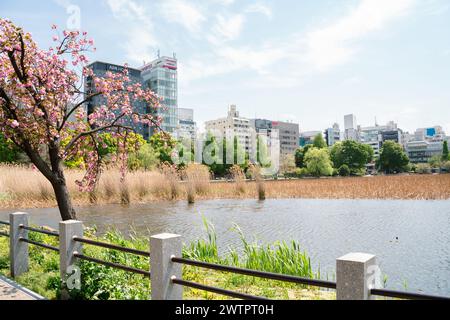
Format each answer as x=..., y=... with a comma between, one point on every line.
x=174, y=55
x=376, y=122
x=159, y=53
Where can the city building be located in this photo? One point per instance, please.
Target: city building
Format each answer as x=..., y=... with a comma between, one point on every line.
x=287, y=132
x=377, y=135
x=422, y=151
x=187, y=127
x=233, y=126
x=307, y=137
x=100, y=69
x=351, y=127
x=333, y=135
x=425, y=144
x=161, y=76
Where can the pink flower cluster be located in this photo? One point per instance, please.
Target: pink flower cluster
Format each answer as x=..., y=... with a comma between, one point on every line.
x=40, y=89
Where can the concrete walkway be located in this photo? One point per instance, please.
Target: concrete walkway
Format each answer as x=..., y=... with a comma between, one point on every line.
x=10, y=290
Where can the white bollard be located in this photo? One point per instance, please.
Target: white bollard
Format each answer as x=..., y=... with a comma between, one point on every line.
x=162, y=248
x=70, y=274
x=18, y=250
x=356, y=274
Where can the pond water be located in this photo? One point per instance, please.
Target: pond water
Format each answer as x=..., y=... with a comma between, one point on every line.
x=410, y=238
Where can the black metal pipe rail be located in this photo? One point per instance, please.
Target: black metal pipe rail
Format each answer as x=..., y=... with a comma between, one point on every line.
x=5, y=223
x=4, y=234
x=259, y=274
x=47, y=232
x=224, y=292
x=112, y=264
x=42, y=245
x=405, y=295
x=112, y=246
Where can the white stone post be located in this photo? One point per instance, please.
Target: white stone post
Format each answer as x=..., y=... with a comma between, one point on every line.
x=18, y=250
x=70, y=274
x=162, y=248
x=356, y=274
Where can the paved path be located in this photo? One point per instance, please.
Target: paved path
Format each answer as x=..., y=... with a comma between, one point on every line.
x=9, y=290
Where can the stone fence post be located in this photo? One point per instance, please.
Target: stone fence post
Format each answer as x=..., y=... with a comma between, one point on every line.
x=162, y=248
x=18, y=250
x=356, y=274
x=69, y=272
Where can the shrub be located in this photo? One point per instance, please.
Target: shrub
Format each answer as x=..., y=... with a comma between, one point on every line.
x=344, y=171
x=446, y=166
x=423, y=168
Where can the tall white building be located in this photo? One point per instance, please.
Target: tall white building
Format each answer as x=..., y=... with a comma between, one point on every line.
x=351, y=127
x=187, y=127
x=235, y=126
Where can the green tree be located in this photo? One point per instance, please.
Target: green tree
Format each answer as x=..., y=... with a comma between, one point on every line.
x=319, y=142
x=163, y=144
x=220, y=160
x=445, y=153
x=145, y=158
x=8, y=152
x=353, y=154
x=318, y=162
x=435, y=161
x=300, y=156
x=393, y=158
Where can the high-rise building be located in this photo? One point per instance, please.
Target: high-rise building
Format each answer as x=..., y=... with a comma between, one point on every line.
x=187, y=127
x=287, y=132
x=351, y=127
x=161, y=77
x=100, y=69
x=233, y=125
x=333, y=135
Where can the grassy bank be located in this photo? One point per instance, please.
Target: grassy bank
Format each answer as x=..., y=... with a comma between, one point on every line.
x=99, y=282
x=27, y=188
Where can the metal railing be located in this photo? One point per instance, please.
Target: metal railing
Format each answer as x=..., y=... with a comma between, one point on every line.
x=405, y=295
x=112, y=264
x=39, y=244
x=112, y=247
x=4, y=234
x=220, y=291
x=41, y=230
x=246, y=272
x=166, y=265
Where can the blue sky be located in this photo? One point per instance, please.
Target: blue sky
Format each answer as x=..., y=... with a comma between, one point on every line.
x=301, y=60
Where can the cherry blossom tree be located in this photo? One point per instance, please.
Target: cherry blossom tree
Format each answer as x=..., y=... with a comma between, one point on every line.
x=42, y=106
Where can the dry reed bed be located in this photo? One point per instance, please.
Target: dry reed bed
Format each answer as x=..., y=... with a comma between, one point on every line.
x=21, y=187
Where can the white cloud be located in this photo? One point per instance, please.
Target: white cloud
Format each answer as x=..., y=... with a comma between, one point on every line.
x=260, y=8
x=334, y=44
x=184, y=13
x=226, y=28
x=136, y=23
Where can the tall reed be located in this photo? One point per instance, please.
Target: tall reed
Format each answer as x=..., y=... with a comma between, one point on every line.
x=197, y=178
x=238, y=176
x=255, y=173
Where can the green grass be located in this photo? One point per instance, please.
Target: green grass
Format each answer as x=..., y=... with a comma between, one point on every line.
x=104, y=283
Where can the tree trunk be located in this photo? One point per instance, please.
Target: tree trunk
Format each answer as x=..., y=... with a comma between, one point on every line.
x=64, y=202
